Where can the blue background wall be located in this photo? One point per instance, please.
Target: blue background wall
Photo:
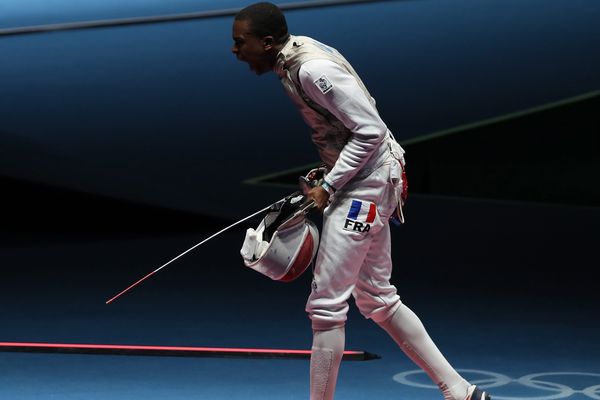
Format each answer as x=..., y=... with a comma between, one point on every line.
x=163, y=114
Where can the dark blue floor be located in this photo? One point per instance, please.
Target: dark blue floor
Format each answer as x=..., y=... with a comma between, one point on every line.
x=506, y=291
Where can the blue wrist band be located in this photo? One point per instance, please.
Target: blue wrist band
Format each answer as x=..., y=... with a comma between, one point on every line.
x=330, y=189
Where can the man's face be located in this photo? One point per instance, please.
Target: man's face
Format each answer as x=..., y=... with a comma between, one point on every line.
x=250, y=48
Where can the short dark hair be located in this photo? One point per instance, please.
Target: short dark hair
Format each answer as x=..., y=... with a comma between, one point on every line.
x=266, y=19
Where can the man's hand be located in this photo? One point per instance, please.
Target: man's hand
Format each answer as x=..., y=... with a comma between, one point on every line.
x=319, y=196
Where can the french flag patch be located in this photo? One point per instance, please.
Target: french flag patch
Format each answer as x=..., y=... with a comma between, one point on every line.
x=360, y=216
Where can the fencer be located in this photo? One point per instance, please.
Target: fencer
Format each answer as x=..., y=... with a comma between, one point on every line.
x=363, y=189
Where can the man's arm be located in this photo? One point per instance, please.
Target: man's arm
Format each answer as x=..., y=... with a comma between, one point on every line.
x=335, y=89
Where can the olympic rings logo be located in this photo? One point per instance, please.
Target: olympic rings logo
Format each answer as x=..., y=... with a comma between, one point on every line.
x=490, y=380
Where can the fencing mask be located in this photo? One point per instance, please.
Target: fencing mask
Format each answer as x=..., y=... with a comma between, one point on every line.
x=284, y=243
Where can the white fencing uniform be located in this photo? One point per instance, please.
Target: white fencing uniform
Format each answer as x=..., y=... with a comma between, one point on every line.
x=354, y=256
x=365, y=168
x=354, y=142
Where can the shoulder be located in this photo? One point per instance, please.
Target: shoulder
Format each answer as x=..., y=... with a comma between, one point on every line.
x=316, y=67
x=319, y=72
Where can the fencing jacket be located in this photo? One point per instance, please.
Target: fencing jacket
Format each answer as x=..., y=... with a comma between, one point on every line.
x=350, y=136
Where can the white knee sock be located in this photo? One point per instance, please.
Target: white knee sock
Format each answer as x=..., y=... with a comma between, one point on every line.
x=410, y=334
x=327, y=351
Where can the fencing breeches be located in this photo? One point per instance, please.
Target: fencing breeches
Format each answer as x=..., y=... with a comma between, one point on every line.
x=354, y=259
x=355, y=252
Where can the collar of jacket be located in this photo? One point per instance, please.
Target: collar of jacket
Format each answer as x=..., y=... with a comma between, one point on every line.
x=281, y=63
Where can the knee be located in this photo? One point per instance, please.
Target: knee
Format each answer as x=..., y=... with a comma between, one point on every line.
x=376, y=307
x=326, y=315
x=325, y=320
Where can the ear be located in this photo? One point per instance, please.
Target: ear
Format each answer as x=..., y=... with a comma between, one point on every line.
x=267, y=42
